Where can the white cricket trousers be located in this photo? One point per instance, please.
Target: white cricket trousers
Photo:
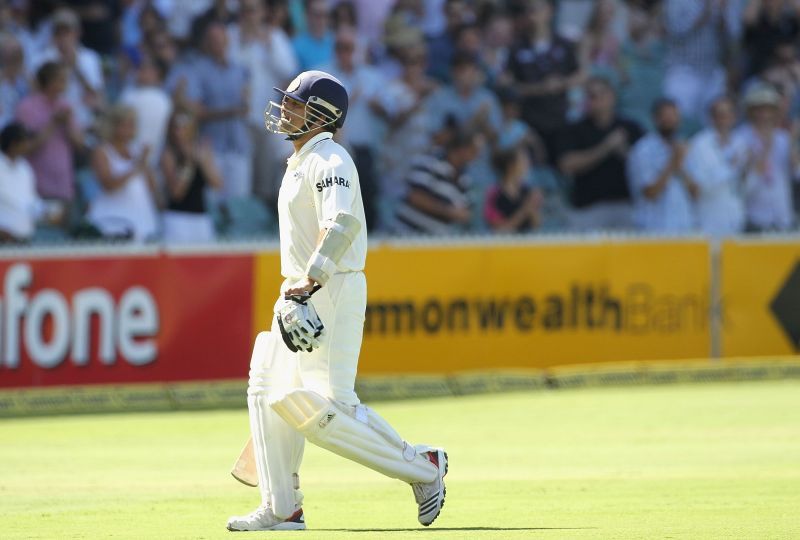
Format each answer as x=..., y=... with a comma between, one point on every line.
x=331, y=369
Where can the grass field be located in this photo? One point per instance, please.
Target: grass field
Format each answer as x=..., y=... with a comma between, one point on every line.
x=717, y=460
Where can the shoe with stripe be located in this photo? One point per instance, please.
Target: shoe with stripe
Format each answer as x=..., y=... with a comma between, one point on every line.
x=430, y=495
x=262, y=519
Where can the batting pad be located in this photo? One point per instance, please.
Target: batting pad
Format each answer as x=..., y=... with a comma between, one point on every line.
x=358, y=434
x=277, y=447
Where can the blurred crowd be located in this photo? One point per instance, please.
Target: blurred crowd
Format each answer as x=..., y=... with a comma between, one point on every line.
x=143, y=120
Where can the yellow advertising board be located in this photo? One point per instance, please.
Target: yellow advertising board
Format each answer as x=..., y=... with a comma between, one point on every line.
x=448, y=309
x=760, y=297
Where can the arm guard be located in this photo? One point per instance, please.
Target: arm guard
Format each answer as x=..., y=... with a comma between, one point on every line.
x=338, y=238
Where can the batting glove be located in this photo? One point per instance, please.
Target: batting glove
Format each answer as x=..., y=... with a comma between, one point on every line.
x=299, y=323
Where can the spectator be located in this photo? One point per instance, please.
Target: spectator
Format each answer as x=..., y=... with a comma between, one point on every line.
x=13, y=83
x=783, y=73
x=344, y=15
x=48, y=115
x=363, y=132
x=189, y=169
x=442, y=46
x=695, y=39
x=600, y=47
x=496, y=42
x=99, y=23
x=716, y=161
x=158, y=43
x=468, y=38
x=20, y=205
x=315, y=46
x=183, y=80
x=770, y=163
x=593, y=152
x=219, y=12
x=126, y=206
x=400, y=36
x=85, y=84
x=129, y=29
x=641, y=66
x=372, y=15
x=280, y=17
x=544, y=68
x=473, y=107
x=511, y=205
x=14, y=21
x=403, y=105
x=224, y=99
x=513, y=131
x=181, y=16
x=768, y=23
x=152, y=105
x=660, y=185
x=265, y=51
x=437, y=201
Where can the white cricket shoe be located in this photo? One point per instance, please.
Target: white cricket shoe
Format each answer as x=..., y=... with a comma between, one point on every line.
x=262, y=519
x=430, y=495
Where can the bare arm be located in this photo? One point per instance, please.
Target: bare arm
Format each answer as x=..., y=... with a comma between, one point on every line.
x=205, y=161
x=150, y=178
x=177, y=184
x=424, y=202
x=512, y=223
x=102, y=170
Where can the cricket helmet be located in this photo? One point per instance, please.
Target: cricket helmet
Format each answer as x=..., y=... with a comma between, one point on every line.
x=325, y=100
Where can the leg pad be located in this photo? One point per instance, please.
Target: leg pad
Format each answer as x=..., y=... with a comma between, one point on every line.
x=356, y=433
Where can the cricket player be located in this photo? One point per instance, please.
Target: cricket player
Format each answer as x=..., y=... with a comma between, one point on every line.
x=302, y=372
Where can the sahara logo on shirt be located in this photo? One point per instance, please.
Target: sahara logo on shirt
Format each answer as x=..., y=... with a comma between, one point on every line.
x=333, y=181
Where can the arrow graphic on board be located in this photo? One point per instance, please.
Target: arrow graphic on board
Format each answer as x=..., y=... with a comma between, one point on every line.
x=786, y=306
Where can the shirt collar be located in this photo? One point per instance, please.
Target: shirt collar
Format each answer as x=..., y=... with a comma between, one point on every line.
x=295, y=158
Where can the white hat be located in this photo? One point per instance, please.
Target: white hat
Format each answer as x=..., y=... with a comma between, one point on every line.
x=762, y=94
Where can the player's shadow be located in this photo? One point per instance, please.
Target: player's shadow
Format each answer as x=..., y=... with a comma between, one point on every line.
x=451, y=529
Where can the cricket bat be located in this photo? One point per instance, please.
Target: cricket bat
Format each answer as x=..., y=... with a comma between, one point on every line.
x=244, y=470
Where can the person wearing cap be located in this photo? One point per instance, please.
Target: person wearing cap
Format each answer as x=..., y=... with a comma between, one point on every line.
x=85, y=81
x=20, y=205
x=302, y=372
x=770, y=162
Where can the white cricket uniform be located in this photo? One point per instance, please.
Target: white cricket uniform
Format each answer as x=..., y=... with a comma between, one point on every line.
x=320, y=182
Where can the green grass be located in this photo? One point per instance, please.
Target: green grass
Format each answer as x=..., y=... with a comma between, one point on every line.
x=696, y=461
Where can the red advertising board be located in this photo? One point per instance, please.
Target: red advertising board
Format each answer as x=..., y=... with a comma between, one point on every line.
x=127, y=319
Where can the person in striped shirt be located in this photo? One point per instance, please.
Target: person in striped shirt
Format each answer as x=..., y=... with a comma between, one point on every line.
x=437, y=199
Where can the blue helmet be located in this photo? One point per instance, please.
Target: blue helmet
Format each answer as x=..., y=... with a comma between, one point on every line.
x=324, y=96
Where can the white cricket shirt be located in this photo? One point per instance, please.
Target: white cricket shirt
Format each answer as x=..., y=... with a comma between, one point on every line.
x=320, y=181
